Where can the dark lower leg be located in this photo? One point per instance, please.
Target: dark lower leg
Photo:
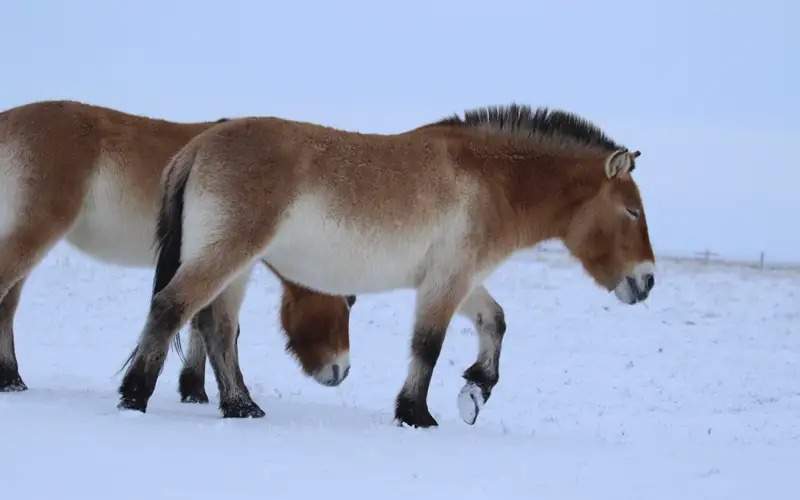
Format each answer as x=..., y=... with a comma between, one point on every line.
x=166, y=316
x=412, y=405
x=482, y=376
x=10, y=380
x=193, y=374
x=234, y=397
x=485, y=372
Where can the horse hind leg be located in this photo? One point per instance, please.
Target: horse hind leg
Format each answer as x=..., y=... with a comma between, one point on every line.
x=489, y=320
x=220, y=336
x=191, y=385
x=195, y=285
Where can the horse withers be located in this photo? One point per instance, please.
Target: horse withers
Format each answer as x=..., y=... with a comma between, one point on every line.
x=91, y=175
x=435, y=209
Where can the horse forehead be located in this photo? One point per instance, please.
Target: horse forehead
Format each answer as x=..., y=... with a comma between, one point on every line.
x=626, y=191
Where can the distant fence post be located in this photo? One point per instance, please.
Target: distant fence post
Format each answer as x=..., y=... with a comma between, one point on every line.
x=706, y=255
x=761, y=261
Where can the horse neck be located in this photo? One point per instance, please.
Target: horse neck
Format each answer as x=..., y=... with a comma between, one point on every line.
x=545, y=190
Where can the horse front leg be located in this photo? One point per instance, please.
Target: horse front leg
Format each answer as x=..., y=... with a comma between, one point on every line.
x=435, y=309
x=221, y=340
x=489, y=320
x=10, y=380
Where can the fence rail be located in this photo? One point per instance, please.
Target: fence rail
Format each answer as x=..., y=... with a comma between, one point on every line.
x=706, y=256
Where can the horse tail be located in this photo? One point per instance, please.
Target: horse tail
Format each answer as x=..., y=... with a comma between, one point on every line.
x=169, y=229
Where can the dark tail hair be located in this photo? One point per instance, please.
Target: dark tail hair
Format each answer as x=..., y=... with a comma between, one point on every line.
x=169, y=230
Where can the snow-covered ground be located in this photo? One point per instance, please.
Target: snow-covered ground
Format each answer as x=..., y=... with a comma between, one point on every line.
x=694, y=395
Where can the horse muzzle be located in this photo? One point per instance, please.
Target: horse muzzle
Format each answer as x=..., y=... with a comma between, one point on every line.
x=636, y=286
x=334, y=372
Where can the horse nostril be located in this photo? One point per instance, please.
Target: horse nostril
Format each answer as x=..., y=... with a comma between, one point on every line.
x=649, y=282
x=335, y=369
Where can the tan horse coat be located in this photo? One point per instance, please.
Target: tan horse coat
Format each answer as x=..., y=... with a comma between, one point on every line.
x=435, y=209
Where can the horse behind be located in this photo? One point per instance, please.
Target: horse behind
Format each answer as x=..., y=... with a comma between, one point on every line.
x=91, y=175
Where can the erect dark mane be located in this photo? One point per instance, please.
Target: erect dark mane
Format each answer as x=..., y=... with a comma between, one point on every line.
x=543, y=125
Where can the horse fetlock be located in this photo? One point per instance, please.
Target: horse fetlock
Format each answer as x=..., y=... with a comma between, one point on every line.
x=413, y=412
x=241, y=407
x=481, y=377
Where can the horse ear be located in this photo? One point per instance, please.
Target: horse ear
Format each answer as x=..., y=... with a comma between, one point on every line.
x=618, y=162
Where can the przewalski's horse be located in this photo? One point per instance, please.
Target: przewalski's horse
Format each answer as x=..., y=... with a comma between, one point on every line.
x=435, y=209
x=92, y=175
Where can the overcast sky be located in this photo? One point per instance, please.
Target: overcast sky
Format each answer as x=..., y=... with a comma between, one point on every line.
x=708, y=91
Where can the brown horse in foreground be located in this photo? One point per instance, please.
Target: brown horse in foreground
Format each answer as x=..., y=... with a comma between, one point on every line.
x=92, y=176
x=435, y=209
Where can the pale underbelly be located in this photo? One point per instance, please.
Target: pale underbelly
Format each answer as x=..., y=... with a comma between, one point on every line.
x=345, y=270
x=331, y=256
x=340, y=261
x=129, y=242
x=114, y=227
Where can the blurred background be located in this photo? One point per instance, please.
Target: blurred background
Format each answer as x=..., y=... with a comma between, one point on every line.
x=708, y=91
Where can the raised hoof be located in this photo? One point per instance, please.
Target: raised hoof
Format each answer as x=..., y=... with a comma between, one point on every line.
x=414, y=415
x=10, y=381
x=470, y=402
x=240, y=409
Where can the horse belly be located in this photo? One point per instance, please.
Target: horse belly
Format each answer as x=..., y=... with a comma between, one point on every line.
x=340, y=257
x=113, y=226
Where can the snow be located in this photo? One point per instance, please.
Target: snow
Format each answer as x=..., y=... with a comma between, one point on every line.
x=695, y=394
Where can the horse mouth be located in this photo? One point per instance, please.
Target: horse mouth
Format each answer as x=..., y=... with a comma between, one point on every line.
x=629, y=292
x=335, y=372
x=333, y=376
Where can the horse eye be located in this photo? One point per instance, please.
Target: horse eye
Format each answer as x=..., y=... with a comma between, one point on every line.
x=632, y=213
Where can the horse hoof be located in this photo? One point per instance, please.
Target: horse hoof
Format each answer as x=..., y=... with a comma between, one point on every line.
x=413, y=415
x=10, y=381
x=192, y=387
x=127, y=404
x=470, y=402
x=241, y=410
x=200, y=398
x=16, y=386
